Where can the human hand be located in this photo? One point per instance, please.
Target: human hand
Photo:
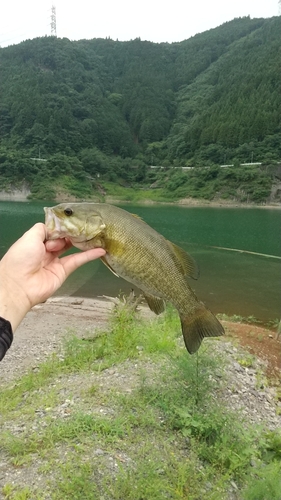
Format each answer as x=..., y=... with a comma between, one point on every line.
x=32, y=270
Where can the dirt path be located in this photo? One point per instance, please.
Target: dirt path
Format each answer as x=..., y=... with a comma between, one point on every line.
x=45, y=325
x=260, y=342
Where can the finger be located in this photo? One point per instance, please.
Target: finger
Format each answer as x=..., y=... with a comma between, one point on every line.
x=36, y=231
x=73, y=261
x=55, y=245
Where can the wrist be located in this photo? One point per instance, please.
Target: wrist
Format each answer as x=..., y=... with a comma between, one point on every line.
x=13, y=304
x=6, y=337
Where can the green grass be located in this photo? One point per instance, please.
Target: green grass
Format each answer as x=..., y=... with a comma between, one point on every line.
x=152, y=426
x=11, y=492
x=251, y=320
x=134, y=194
x=264, y=484
x=75, y=481
x=127, y=338
x=79, y=188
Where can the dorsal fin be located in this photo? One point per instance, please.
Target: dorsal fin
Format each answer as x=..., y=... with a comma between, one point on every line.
x=184, y=262
x=137, y=217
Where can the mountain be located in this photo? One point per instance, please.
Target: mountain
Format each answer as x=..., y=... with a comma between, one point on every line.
x=98, y=106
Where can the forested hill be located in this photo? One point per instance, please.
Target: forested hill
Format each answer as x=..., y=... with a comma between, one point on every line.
x=94, y=105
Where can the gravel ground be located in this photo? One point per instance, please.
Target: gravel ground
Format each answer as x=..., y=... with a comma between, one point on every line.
x=44, y=327
x=41, y=333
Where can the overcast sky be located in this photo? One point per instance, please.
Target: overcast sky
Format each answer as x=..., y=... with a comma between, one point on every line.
x=154, y=20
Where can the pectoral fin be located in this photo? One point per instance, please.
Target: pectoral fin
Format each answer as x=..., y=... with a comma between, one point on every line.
x=155, y=304
x=185, y=263
x=103, y=259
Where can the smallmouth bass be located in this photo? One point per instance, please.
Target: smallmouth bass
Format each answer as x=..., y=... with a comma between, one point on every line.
x=140, y=255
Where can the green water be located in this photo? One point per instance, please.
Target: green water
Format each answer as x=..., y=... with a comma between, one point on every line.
x=230, y=282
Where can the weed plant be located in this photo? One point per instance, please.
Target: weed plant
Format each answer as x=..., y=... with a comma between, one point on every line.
x=170, y=436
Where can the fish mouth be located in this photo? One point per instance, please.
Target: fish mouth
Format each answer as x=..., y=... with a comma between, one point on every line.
x=53, y=225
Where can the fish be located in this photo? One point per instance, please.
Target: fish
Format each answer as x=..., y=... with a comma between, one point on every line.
x=142, y=256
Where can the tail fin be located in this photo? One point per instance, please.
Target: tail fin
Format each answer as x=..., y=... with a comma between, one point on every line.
x=201, y=324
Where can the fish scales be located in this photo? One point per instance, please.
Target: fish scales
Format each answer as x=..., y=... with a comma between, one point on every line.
x=144, y=259
x=140, y=255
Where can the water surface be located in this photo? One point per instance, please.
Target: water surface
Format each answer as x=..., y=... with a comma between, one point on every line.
x=231, y=282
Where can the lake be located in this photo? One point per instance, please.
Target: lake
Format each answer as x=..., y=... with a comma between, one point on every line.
x=230, y=282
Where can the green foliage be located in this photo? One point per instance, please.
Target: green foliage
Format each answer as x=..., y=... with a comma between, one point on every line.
x=75, y=481
x=79, y=425
x=128, y=337
x=218, y=116
x=81, y=188
x=11, y=492
x=42, y=188
x=265, y=484
x=109, y=109
x=241, y=183
x=219, y=437
x=272, y=446
x=163, y=431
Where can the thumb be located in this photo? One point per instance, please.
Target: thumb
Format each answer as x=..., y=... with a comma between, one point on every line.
x=75, y=260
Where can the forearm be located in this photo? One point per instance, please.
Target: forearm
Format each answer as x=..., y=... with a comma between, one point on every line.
x=11, y=313
x=12, y=305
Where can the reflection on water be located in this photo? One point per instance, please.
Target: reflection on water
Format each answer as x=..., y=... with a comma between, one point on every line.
x=230, y=282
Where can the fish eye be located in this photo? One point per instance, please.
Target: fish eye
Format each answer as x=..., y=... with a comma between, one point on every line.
x=68, y=212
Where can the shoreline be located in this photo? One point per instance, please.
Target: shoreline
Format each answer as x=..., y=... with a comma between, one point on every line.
x=195, y=202
x=15, y=195
x=18, y=195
